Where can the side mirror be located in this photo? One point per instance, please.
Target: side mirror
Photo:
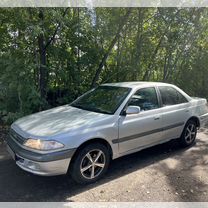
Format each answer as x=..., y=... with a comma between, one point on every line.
x=133, y=110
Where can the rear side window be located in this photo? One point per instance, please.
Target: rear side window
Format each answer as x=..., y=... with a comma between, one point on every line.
x=171, y=96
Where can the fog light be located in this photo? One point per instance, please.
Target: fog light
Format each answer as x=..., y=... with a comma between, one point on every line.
x=21, y=160
x=32, y=165
x=28, y=164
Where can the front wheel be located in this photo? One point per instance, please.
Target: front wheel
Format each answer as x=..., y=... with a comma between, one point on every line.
x=90, y=163
x=188, y=136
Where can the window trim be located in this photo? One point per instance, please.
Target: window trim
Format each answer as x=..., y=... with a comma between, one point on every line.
x=122, y=113
x=160, y=96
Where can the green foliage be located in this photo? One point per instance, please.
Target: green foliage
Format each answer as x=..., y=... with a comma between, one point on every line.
x=155, y=44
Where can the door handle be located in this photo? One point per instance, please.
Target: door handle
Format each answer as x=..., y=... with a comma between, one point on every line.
x=156, y=118
x=186, y=111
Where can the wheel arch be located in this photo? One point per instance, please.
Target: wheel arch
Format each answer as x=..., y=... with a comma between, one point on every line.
x=196, y=119
x=92, y=141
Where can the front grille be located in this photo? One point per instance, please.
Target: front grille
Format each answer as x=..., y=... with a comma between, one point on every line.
x=19, y=139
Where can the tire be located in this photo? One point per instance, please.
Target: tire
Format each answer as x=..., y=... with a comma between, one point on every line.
x=90, y=163
x=188, y=136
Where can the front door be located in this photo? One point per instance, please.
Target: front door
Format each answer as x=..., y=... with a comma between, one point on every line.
x=143, y=129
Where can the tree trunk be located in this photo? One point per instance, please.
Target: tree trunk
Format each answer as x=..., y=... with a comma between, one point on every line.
x=42, y=67
x=43, y=45
x=118, y=61
x=138, y=44
x=113, y=42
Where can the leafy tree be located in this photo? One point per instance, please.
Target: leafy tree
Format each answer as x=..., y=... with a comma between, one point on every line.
x=49, y=56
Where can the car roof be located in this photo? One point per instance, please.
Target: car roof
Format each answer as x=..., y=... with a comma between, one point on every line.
x=136, y=84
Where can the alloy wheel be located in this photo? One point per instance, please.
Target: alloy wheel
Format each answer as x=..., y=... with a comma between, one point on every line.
x=92, y=164
x=190, y=133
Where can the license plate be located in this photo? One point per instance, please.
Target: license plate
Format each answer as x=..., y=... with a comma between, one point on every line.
x=11, y=152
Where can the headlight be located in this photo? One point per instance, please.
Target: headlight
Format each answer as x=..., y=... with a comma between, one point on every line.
x=43, y=145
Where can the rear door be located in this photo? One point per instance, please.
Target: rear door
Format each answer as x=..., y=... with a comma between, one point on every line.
x=143, y=129
x=175, y=111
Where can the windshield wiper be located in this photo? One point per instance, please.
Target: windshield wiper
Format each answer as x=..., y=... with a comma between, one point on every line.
x=78, y=106
x=101, y=111
x=97, y=110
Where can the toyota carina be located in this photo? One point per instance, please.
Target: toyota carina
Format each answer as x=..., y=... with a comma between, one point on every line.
x=110, y=121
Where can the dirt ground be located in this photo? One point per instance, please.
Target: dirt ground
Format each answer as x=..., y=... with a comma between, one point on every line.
x=162, y=173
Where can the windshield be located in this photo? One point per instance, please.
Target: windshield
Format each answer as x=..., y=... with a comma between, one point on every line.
x=104, y=99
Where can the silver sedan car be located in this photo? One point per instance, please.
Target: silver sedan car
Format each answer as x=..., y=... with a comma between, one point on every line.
x=110, y=121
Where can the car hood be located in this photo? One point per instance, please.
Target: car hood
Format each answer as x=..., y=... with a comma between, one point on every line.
x=55, y=121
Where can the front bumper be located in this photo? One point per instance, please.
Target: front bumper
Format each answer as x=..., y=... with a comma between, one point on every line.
x=46, y=164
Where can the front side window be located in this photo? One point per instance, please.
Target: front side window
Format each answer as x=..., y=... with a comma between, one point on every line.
x=145, y=98
x=104, y=99
x=171, y=96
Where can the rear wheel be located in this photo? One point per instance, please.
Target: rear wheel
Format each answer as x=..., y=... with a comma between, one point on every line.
x=188, y=136
x=90, y=163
